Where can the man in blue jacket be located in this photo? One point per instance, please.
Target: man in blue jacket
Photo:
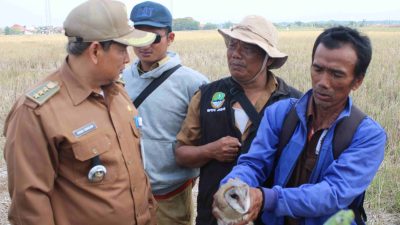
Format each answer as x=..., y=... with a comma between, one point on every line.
x=309, y=184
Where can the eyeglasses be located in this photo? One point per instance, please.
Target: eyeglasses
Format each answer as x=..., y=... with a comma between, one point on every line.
x=158, y=38
x=246, y=48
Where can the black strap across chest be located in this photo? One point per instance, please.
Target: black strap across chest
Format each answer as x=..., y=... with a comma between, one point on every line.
x=153, y=85
x=247, y=106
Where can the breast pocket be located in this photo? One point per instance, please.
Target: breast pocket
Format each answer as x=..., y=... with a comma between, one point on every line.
x=89, y=147
x=135, y=130
x=135, y=140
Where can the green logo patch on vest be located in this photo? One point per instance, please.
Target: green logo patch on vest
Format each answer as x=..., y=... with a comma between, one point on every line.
x=218, y=100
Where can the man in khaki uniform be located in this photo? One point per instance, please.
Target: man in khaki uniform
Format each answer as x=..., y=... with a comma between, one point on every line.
x=72, y=147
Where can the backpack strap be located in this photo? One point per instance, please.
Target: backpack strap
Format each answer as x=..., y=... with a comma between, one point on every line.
x=345, y=130
x=289, y=125
x=357, y=206
x=342, y=138
x=153, y=85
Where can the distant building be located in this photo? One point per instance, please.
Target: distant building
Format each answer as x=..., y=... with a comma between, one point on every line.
x=18, y=28
x=30, y=30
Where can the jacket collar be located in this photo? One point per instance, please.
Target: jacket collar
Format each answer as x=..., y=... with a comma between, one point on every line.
x=302, y=106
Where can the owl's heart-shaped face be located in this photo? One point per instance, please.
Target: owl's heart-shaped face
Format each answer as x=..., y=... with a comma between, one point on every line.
x=238, y=198
x=232, y=202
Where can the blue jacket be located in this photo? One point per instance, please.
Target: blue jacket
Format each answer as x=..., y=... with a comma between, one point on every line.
x=333, y=184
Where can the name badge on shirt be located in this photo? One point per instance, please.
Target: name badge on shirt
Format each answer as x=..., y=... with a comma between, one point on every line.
x=84, y=130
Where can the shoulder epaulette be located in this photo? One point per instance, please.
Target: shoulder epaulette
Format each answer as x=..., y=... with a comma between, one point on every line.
x=43, y=92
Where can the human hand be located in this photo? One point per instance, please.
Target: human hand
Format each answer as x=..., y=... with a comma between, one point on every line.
x=226, y=149
x=256, y=200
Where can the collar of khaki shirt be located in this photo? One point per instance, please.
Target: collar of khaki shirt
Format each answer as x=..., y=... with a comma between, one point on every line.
x=76, y=89
x=270, y=87
x=152, y=67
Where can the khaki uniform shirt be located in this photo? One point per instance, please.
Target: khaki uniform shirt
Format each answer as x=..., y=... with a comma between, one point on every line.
x=190, y=132
x=49, y=148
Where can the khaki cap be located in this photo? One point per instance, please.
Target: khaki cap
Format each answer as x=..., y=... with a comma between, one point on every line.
x=104, y=20
x=259, y=31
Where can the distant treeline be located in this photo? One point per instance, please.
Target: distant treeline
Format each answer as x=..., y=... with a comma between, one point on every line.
x=19, y=30
x=189, y=23
x=331, y=23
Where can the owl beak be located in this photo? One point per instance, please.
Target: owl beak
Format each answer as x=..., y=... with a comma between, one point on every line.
x=241, y=203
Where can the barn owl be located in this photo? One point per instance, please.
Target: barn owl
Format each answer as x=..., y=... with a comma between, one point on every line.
x=232, y=202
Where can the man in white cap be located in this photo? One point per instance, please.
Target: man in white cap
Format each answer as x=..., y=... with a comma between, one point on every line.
x=72, y=147
x=223, y=116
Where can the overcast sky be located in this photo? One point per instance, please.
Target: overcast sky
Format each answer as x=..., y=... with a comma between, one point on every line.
x=32, y=12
